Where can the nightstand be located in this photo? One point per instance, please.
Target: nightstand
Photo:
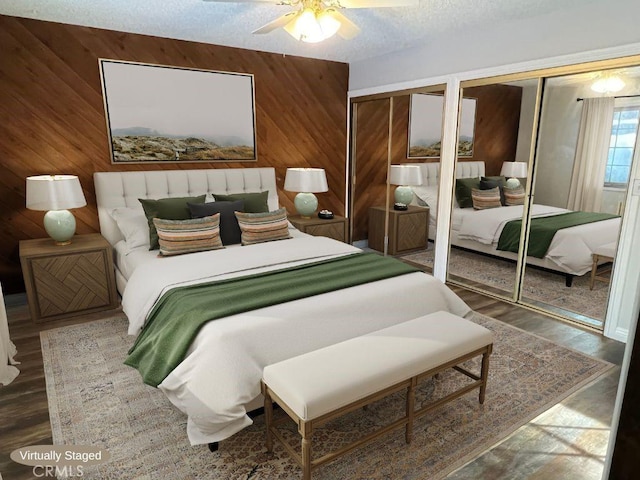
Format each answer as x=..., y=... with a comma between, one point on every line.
x=408, y=229
x=335, y=227
x=67, y=280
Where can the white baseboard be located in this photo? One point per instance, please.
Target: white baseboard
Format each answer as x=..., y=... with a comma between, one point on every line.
x=620, y=334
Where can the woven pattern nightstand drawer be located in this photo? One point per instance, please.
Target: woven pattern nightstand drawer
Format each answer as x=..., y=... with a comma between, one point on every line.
x=68, y=280
x=335, y=227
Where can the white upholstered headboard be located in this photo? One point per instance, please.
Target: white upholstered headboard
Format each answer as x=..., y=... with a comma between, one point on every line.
x=431, y=171
x=123, y=189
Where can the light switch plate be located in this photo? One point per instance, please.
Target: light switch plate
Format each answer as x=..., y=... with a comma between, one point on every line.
x=636, y=187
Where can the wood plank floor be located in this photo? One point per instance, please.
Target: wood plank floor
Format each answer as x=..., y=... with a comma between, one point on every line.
x=568, y=441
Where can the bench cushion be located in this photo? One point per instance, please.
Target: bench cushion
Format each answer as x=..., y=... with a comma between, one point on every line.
x=608, y=250
x=324, y=380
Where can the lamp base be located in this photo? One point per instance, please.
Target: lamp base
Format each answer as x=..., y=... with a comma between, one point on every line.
x=60, y=225
x=403, y=194
x=513, y=183
x=306, y=204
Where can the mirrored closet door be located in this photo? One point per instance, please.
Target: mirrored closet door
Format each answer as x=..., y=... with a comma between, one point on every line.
x=586, y=148
x=494, y=151
x=559, y=147
x=395, y=141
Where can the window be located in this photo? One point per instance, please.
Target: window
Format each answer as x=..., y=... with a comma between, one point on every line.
x=624, y=131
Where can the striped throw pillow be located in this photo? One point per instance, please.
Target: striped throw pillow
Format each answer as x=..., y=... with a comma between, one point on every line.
x=514, y=196
x=187, y=236
x=483, y=199
x=263, y=227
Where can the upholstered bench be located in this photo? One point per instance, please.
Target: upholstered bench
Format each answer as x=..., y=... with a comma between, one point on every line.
x=321, y=385
x=602, y=254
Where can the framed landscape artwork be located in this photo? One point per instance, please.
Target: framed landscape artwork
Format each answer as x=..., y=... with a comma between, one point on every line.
x=158, y=113
x=425, y=126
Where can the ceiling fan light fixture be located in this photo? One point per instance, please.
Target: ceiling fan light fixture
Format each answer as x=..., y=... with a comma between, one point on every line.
x=328, y=24
x=311, y=28
x=608, y=84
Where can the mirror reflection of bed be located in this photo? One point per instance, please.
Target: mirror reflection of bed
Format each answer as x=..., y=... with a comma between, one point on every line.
x=560, y=183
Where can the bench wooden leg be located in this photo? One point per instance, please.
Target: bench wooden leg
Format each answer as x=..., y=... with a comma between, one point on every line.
x=484, y=374
x=306, y=451
x=594, y=269
x=411, y=402
x=268, y=418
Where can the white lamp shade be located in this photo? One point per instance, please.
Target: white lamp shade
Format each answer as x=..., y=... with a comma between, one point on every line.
x=308, y=180
x=54, y=192
x=405, y=175
x=514, y=169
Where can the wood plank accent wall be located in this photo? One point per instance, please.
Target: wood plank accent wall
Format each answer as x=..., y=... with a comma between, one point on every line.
x=496, y=136
x=497, y=124
x=52, y=116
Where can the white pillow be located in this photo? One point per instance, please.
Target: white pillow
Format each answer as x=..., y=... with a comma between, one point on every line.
x=427, y=195
x=134, y=226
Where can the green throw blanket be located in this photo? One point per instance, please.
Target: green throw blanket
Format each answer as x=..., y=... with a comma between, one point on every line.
x=543, y=230
x=179, y=314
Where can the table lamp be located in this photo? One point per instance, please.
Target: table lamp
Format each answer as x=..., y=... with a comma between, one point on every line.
x=514, y=170
x=55, y=194
x=404, y=176
x=306, y=181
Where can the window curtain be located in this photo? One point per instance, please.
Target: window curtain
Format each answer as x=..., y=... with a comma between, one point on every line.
x=587, y=179
x=7, y=349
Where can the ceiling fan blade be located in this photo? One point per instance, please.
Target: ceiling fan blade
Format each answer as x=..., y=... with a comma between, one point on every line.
x=376, y=3
x=347, y=29
x=277, y=23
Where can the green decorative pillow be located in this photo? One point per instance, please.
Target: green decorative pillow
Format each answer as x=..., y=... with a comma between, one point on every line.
x=463, y=191
x=253, y=202
x=483, y=199
x=514, y=196
x=188, y=236
x=174, y=208
x=263, y=227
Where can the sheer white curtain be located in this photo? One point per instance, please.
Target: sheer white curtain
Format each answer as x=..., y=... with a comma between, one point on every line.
x=587, y=179
x=7, y=349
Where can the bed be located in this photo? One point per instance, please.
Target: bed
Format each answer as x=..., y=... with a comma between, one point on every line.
x=217, y=382
x=569, y=253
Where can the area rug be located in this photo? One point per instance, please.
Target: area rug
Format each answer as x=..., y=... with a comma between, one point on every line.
x=539, y=285
x=94, y=399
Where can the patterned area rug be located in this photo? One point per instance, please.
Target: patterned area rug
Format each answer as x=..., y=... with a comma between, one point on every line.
x=539, y=285
x=94, y=399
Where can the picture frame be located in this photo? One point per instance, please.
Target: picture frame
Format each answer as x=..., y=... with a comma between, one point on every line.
x=160, y=113
x=425, y=126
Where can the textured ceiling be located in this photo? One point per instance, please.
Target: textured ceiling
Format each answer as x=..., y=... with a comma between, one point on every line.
x=384, y=30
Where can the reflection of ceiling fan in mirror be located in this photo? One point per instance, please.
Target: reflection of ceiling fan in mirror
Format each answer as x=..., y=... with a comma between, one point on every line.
x=315, y=20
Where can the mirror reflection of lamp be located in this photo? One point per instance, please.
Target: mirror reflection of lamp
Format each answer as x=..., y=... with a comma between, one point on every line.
x=514, y=171
x=405, y=176
x=306, y=181
x=55, y=194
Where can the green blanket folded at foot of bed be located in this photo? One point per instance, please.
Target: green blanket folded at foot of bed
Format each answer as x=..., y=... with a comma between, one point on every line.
x=543, y=229
x=179, y=315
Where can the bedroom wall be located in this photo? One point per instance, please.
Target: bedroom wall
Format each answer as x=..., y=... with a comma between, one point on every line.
x=52, y=116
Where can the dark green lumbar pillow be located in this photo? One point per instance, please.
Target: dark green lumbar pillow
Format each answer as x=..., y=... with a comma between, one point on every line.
x=174, y=208
x=253, y=202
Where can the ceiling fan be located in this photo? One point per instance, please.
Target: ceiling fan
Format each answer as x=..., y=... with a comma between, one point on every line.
x=312, y=21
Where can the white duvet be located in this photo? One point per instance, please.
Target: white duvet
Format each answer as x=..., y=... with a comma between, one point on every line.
x=221, y=374
x=570, y=249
